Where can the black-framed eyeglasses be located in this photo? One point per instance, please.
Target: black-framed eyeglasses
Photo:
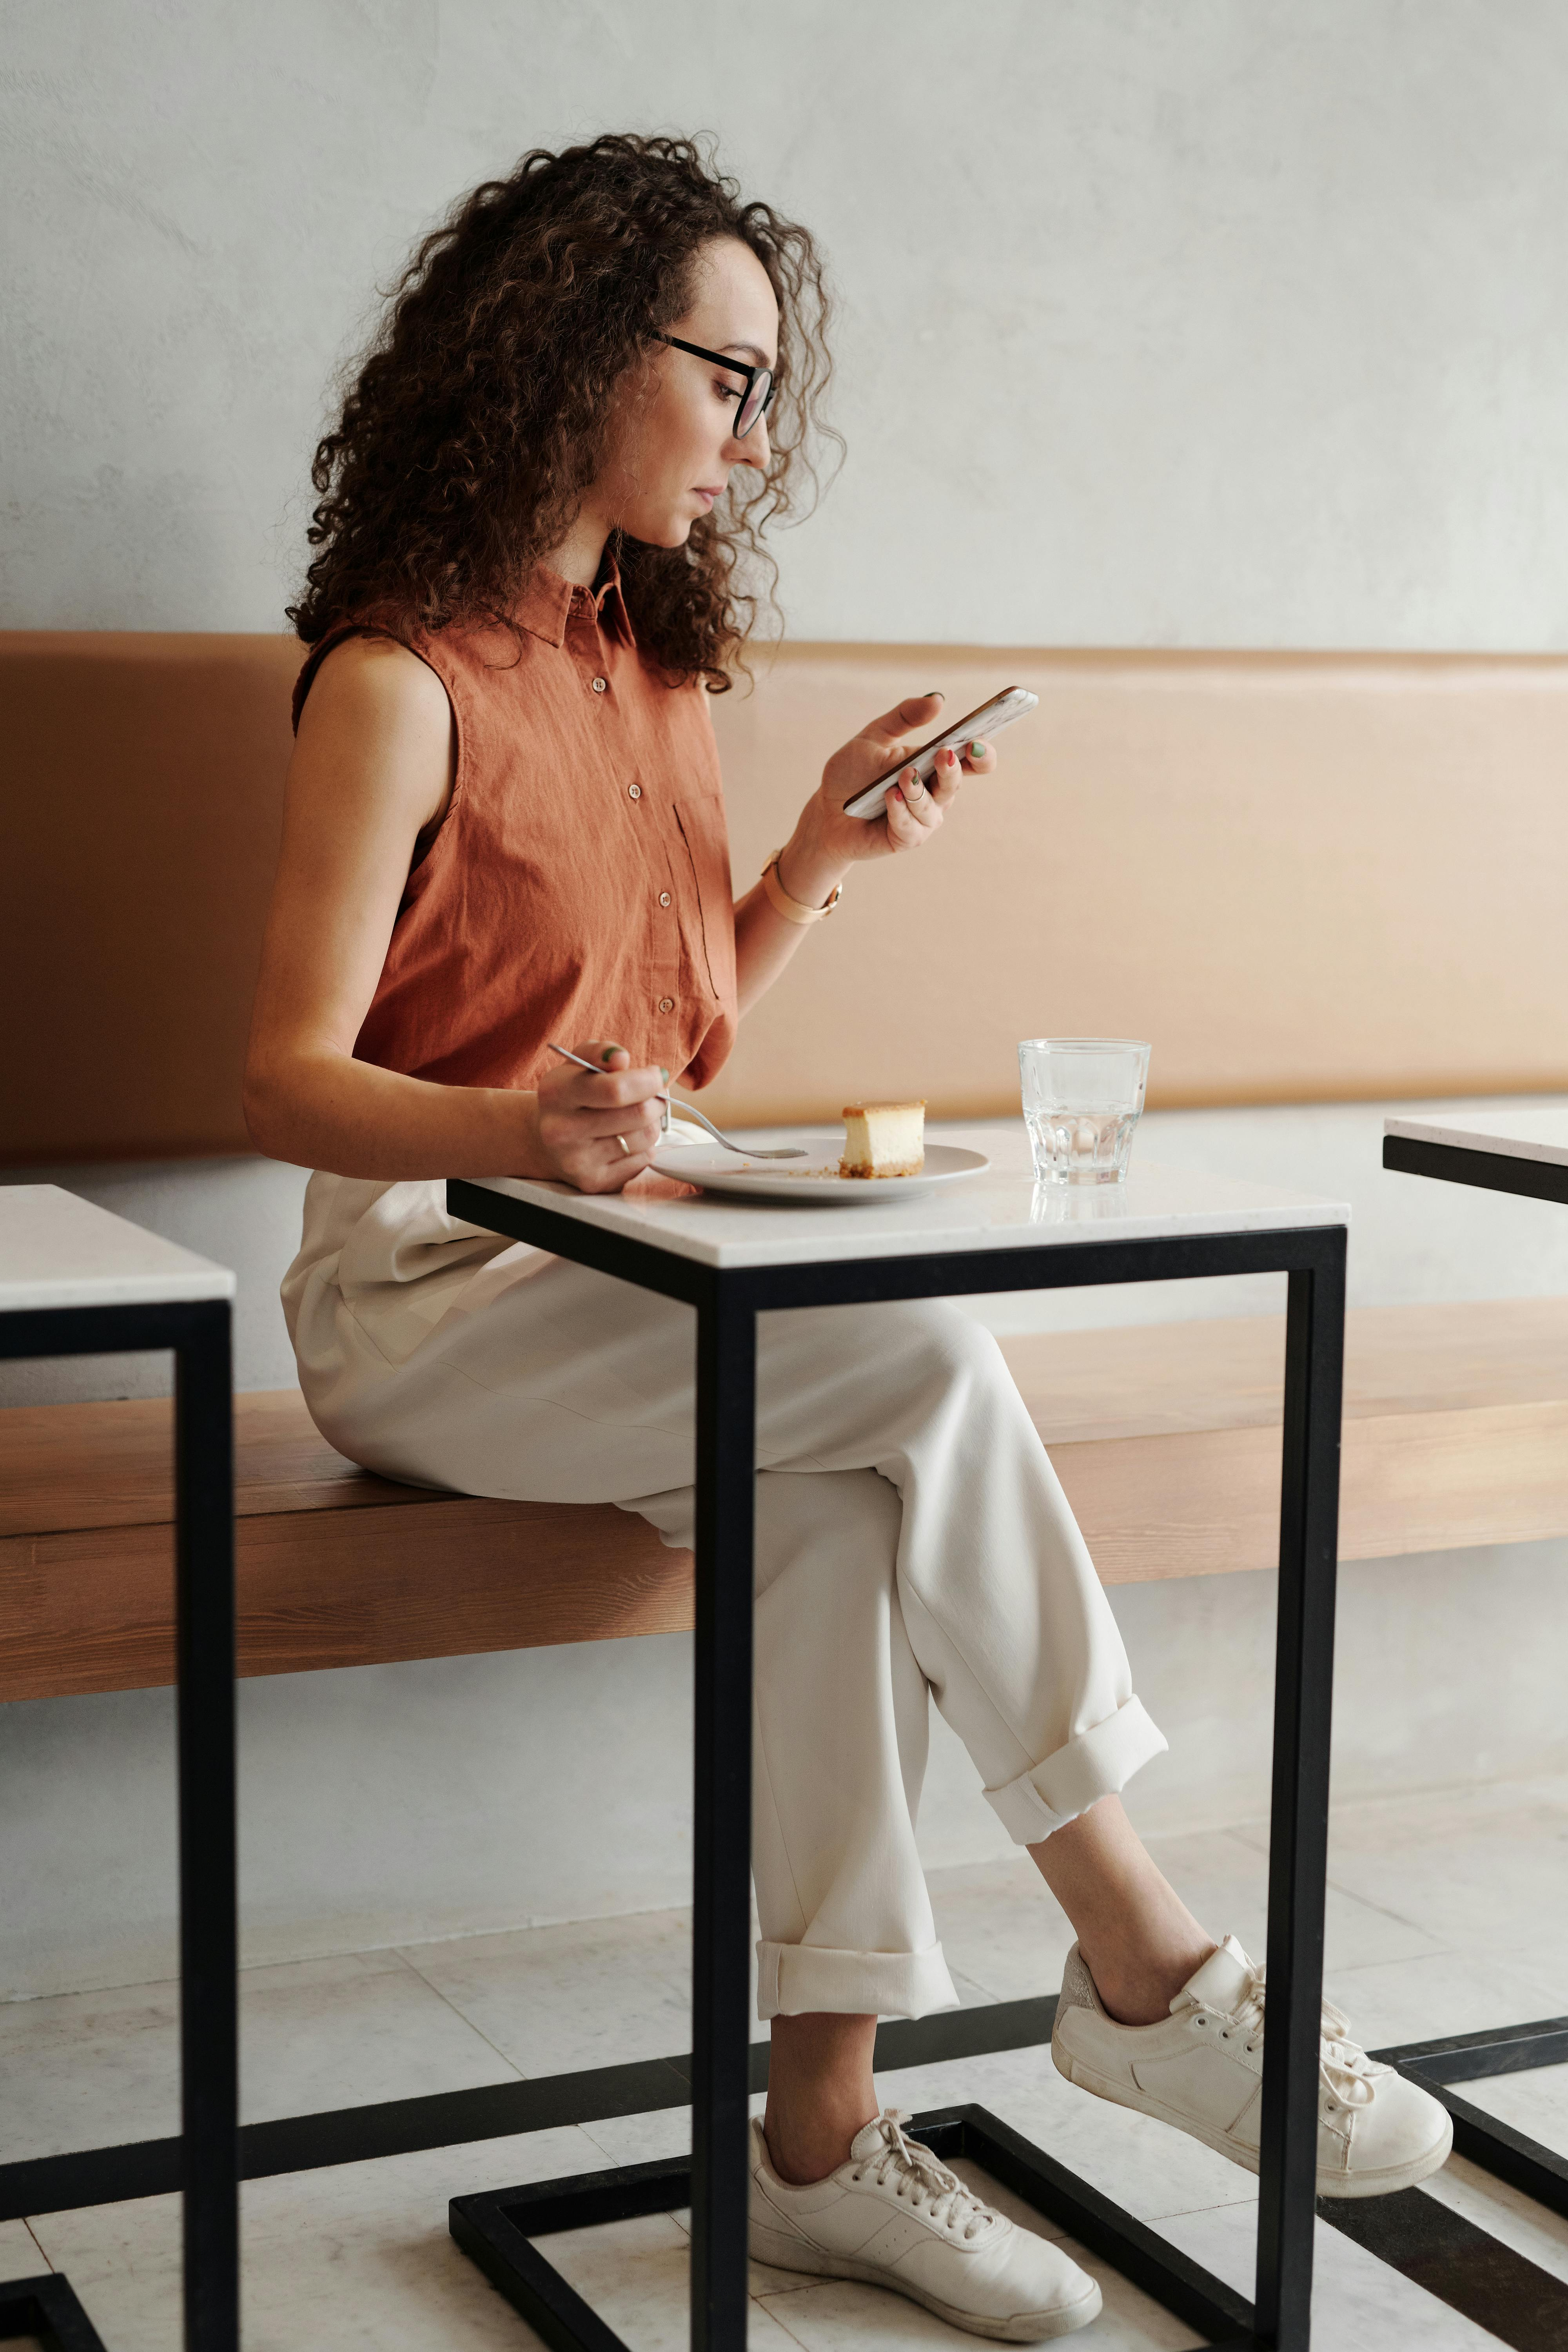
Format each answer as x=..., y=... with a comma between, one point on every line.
x=758, y=396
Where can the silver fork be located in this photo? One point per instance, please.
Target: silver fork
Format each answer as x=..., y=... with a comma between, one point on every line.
x=746, y=1151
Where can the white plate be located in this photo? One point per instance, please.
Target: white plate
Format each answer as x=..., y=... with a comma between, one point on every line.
x=814, y=1181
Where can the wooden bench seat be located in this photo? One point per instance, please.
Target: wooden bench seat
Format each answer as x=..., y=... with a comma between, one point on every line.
x=1166, y=1437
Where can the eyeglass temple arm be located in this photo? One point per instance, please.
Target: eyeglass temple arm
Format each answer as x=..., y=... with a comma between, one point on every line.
x=720, y=359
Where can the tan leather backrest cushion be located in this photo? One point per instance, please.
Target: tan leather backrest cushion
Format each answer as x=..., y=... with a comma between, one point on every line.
x=142, y=799
x=1299, y=877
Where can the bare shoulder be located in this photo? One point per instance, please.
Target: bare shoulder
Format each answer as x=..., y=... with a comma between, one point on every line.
x=377, y=727
x=376, y=678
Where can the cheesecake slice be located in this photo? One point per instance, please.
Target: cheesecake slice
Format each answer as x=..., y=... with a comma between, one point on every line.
x=884, y=1139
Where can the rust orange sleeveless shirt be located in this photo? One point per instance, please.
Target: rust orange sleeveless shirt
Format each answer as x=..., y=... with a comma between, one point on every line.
x=578, y=884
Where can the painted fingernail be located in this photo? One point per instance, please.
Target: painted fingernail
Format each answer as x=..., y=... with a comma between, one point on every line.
x=977, y=750
x=664, y=1074
x=611, y=1050
x=935, y=694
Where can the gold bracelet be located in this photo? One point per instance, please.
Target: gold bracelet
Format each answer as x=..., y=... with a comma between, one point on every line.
x=793, y=909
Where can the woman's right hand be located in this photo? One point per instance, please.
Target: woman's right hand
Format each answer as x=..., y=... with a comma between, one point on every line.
x=598, y=1132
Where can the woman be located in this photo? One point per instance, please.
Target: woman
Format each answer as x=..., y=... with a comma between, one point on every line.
x=505, y=826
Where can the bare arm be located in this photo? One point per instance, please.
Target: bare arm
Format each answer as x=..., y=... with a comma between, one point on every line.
x=826, y=843
x=372, y=770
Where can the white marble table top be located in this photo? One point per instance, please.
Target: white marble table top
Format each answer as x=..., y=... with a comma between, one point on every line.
x=59, y=1251
x=1000, y=1209
x=1512, y=1134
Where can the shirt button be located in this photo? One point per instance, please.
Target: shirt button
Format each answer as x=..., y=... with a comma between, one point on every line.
x=664, y=898
x=599, y=685
x=666, y=1003
x=634, y=792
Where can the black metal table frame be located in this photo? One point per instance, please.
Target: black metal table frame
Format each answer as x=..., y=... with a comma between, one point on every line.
x=197, y=1333
x=1512, y=2156
x=497, y=2229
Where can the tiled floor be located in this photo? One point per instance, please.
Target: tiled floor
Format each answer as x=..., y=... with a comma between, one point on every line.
x=1445, y=1914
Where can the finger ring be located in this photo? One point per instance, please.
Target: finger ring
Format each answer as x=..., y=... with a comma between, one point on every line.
x=625, y=1147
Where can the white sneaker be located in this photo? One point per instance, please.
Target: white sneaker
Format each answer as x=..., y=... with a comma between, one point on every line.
x=892, y=2216
x=1202, y=2071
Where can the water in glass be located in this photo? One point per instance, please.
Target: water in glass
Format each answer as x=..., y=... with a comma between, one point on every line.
x=1082, y=1099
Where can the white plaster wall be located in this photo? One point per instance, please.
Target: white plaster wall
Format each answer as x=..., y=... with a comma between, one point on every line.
x=1164, y=321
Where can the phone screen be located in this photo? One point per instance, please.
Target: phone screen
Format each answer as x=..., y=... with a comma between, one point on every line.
x=989, y=719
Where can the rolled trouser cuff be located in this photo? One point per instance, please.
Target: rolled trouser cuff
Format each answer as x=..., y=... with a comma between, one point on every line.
x=794, y=1978
x=1096, y=1764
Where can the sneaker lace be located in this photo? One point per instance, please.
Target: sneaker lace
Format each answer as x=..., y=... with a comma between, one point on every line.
x=934, y=2187
x=1347, y=2070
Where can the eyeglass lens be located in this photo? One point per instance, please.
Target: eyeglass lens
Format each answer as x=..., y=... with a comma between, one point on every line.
x=756, y=401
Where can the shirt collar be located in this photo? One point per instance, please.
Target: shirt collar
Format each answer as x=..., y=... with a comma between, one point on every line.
x=612, y=601
x=546, y=602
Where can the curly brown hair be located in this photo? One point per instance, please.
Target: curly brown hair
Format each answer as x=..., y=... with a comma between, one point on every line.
x=481, y=412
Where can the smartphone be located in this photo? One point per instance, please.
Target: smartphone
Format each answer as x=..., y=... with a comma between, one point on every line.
x=978, y=727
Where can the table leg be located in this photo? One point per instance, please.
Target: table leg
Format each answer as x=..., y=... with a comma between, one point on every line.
x=721, y=1863
x=1298, y=1840
x=205, y=1610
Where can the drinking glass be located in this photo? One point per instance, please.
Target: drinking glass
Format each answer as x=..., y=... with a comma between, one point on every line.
x=1082, y=1099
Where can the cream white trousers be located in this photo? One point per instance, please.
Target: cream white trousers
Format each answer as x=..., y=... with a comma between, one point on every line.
x=912, y=1538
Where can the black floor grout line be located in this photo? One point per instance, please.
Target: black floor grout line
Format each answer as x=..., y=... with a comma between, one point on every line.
x=1453, y=2259
x=1462, y=2265
x=110, y=2176
x=1498, y=2041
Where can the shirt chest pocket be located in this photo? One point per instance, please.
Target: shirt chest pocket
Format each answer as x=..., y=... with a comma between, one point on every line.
x=706, y=844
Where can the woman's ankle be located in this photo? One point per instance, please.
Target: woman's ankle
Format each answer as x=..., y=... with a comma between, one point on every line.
x=808, y=2148
x=1137, y=1988
x=1138, y=1941
x=820, y=2092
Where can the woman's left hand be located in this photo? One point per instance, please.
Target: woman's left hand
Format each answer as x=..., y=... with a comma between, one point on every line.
x=826, y=841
